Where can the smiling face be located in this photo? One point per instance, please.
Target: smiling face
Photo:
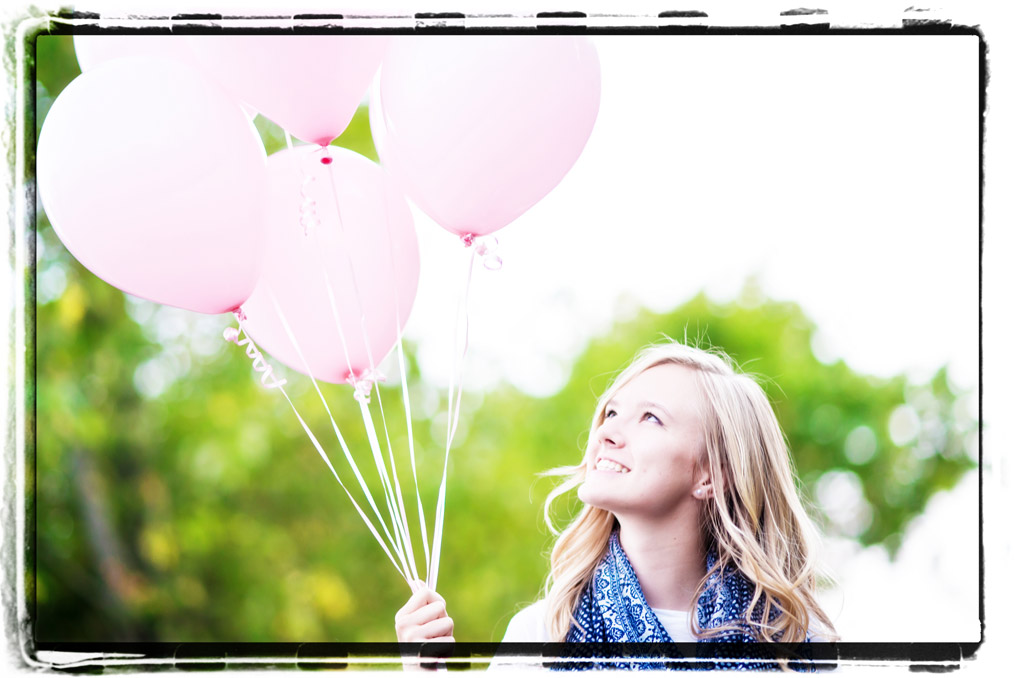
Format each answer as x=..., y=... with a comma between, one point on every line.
x=646, y=456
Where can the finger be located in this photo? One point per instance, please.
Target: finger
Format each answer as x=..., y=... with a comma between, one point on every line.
x=442, y=639
x=406, y=619
x=423, y=633
x=417, y=600
x=437, y=628
x=427, y=613
x=408, y=628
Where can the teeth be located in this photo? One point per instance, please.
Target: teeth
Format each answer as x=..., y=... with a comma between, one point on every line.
x=608, y=465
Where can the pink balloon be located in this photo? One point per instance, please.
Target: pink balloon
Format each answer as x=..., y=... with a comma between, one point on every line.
x=152, y=177
x=92, y=50
x=311, y=85
x=369, y=257
x=477, y=129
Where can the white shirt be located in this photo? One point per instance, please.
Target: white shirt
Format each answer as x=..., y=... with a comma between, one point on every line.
x=529, y=625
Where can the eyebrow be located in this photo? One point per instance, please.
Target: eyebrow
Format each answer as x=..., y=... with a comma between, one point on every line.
x=640, y=405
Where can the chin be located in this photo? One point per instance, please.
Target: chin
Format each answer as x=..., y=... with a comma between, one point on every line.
x=593, y=497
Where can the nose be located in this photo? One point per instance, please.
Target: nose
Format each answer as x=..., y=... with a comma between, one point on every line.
x=609, y=434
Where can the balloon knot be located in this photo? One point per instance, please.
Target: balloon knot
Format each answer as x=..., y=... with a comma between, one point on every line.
x=363, y=384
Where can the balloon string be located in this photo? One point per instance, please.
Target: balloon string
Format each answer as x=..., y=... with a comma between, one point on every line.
x=361, y=391
x=404, y=522
x=233, y=336
x=424, y=537
x=406, y=408
x=363, y=516
x=403, y=531
x=483, y=248
x=353, y=284
x=412, y=455
x=398, y=487
x=388, y=478
x=461, y=322
x=342, y=442
x=361, y=383
x=350, y=378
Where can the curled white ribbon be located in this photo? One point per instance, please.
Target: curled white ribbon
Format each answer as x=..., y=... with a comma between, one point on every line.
x=485, y=248
x=260, y=365
x=308, y=208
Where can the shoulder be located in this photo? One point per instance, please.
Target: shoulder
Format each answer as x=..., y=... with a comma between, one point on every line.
x=528, y=625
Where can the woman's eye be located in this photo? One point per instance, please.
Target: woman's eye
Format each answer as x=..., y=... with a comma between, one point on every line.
x=608, y=414
x=652, y=417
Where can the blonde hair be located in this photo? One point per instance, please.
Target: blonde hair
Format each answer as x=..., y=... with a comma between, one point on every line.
x=755, y=520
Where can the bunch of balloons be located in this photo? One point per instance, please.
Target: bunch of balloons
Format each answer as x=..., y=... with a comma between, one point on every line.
x=152, y=173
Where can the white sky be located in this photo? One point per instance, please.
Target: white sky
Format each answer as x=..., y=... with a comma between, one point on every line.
x=843, y=172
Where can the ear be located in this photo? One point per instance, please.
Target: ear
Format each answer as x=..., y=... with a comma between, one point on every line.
x=703, y=487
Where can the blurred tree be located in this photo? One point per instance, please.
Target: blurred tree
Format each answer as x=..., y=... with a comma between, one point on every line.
x=178, y=500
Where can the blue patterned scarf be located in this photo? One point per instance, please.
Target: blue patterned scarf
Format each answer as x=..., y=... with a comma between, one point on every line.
x=613, y=609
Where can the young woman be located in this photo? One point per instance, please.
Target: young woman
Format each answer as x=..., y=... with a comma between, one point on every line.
x=692, y=528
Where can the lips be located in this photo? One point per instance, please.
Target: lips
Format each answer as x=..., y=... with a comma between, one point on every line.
x=604, y=464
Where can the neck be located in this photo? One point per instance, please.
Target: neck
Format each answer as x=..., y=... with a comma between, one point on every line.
x=669, y=560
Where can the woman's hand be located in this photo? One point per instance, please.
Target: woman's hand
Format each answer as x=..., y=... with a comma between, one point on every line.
x=424, y=619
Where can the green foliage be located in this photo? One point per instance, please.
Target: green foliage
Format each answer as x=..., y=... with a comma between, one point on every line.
x=229, y=527
x=356, y=137
x=179, y=500
x=57, y=65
